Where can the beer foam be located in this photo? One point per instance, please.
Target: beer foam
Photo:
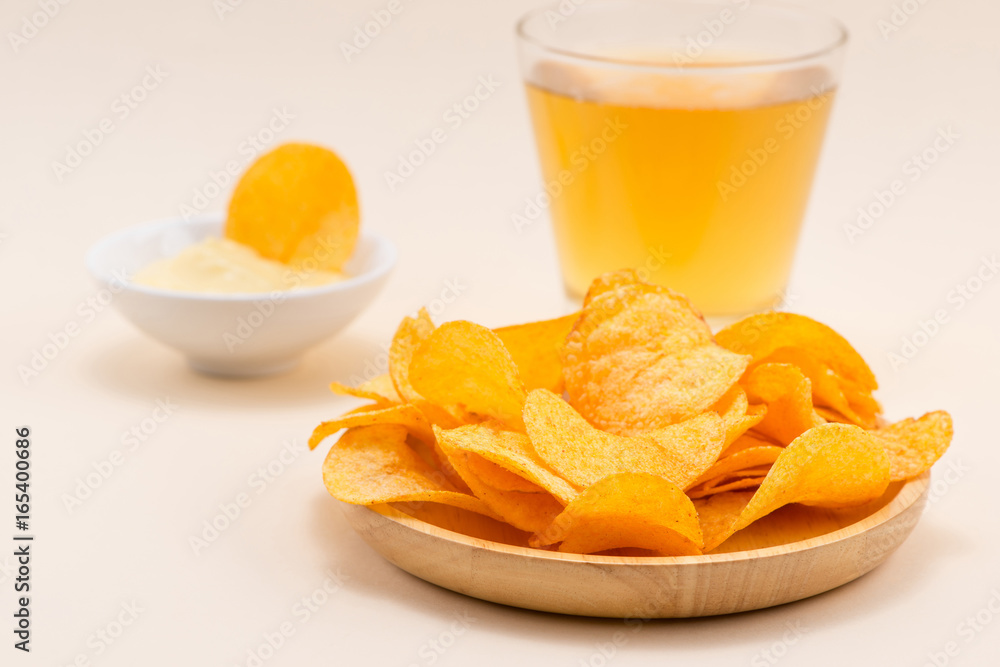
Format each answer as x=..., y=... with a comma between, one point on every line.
x=702, y=85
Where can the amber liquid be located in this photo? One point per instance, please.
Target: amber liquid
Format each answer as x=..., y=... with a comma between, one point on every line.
x=707, y=201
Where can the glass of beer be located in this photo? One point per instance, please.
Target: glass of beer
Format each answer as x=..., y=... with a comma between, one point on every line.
x=680, y=139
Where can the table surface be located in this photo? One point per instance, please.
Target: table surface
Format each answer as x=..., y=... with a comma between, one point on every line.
x=115, y=579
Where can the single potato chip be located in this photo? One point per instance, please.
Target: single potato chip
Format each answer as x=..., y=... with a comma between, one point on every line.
x=464, y=368
x=627, y=510
x=833, y=465
x=762, y=334
x=531, y=511
x=743, y=459
x=407, y=416
x=373, y=464
x=914, y=445
x=734, y=410
x=535, y=350
x=641, y=357
x=378, y=389
x=717, y=514
x=584, y=455
x=787, y=393
x=297, y=205
x=498, y=477
x=724, y=486
x=509, y=450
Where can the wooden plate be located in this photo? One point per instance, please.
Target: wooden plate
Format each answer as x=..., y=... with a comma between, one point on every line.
x=793, y=553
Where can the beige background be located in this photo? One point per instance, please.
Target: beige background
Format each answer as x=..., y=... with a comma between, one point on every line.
x=129, y=541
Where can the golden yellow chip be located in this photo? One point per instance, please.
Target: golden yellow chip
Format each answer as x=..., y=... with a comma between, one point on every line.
x=407, y=416
x=296, y=205
x=369, y=465
x=721, y=485
x=717, y=513
x=408, y=337
x=535, y=350
x=762, y=334
x=584, y=455
x=531, y=511
x=510, y=450
x=627, y=510
x=378, y=389
x=464, y=368
x=787, y=393
x=736, y=415
x=833, y=465
x=914, y=445
x=743, y=459
x=641, y=357
x=498, y=477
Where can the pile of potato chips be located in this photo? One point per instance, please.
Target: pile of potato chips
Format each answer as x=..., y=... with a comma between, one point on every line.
x=627, y=425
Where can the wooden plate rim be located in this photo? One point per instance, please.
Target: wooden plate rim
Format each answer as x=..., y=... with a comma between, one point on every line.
x=911, y=492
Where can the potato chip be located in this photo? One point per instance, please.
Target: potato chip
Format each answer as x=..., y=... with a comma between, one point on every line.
x=498, y=477
x=535, y=350
x=369, y=465
x=734, y=410
x=297, y=205
x=787, y=393
x=407, y=416
x=762, y=334
x=379, y=389
x=641, y=357
x=827, y=386
x=408, y=337
x=721, y=485
x=584, y=455
x=464, y=368
x=748, y=457
x=747, y=440
x=914, y=445
x=530, y=511
x=833, y=465
x=717, y=514
x=510, y=450
x=627, y=510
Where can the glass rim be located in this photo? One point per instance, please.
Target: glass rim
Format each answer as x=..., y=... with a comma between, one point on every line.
x=765, y=63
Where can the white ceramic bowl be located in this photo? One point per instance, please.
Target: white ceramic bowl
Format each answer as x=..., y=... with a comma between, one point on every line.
x=233, y=334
